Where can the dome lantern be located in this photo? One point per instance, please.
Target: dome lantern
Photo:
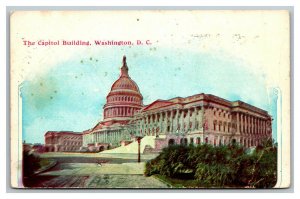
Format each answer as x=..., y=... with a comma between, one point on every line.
x=124, y=68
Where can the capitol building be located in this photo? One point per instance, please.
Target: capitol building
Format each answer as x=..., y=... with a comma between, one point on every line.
x=196, y=119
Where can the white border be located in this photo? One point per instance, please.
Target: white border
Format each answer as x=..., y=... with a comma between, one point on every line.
x=3, y=81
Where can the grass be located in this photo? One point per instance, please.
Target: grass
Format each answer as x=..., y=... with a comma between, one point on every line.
x=178, y=183
x=45, y=162
x=187, y=183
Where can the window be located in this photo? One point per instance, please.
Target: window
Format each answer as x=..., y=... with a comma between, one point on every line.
x=171, y=142
x=191, y=140
x=198, y=140
x=185, y=141
x=233, y=141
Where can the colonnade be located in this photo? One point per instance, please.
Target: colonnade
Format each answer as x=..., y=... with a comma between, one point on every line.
x=119, y=111
x=170, y=121
x=251, y=125
x=110, y=136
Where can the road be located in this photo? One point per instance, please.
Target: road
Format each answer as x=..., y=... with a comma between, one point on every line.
x=87, y=171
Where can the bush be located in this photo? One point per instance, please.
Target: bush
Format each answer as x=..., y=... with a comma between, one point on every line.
x=31, y=163
x=217, y=175
x=171, y=162
x=218, y=166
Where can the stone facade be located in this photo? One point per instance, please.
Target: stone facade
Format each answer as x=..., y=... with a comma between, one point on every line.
x=59, y=141
x=201, y=118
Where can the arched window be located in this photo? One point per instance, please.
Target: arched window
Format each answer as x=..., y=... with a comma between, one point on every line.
x=198, y=140
x=171, y=142
x=181, y=141
x=233, y=141
x=191, y=140
x=206, y=140
x=185, y=141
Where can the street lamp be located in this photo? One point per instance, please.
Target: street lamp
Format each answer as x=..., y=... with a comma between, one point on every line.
x=139, y=148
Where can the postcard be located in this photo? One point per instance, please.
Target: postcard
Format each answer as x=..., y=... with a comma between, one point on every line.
x=150, y=99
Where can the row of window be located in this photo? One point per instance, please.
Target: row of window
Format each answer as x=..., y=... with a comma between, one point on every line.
x=222, y=114
x=121, y=111
x=123, y=98
x=185, y=141
x=154, y=130
x=72, y=137
x=72, y=143
x=225, y=127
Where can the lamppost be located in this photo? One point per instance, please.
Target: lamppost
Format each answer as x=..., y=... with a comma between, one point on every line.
x=139, y=148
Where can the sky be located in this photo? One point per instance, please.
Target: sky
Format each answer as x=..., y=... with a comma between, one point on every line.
x=235, y=55
x=71, y=95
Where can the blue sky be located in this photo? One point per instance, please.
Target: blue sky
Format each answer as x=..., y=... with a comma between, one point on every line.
x=70, y=96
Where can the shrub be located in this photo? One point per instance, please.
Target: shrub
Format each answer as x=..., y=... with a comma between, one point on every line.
x=30, y=163
x=218, y=166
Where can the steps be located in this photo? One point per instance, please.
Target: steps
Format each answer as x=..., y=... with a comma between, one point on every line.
x=132, y=148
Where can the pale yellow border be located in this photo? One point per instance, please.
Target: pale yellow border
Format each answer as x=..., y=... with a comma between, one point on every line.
x=283, y=80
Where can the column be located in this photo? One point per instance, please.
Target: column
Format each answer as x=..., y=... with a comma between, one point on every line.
x=238, y=125
x=242, y=124
x=176, y=120
x=166, y=122
x=260, y=126
x=188, y=119
x=264, y=128
x=194, y=118
x=182, y=121
x=171, y=121
x=160, y=121
x=257, y=126
x=144, y=124
x=247, y=124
